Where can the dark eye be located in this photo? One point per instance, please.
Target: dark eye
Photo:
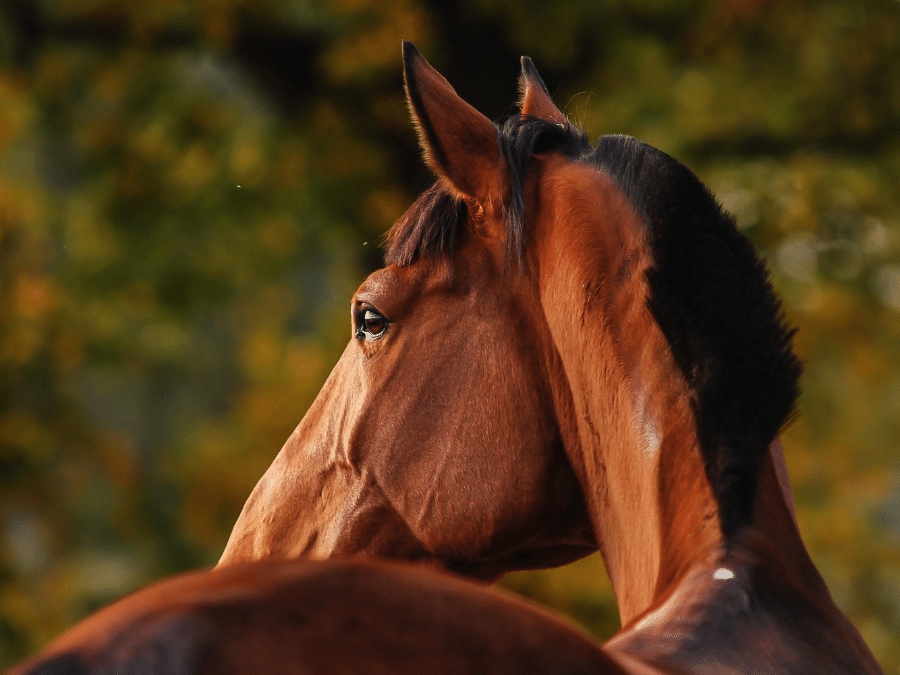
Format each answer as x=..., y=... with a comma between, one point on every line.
x=371, y=325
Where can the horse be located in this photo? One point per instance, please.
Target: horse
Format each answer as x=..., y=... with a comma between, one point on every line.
x=606, y=365
x=339, y=617
x=601, y=294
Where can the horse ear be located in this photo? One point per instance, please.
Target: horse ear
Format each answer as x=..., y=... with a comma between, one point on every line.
x=535, y=100
x=460, y=144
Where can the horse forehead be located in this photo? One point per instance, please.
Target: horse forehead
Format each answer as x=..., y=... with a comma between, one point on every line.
x=398, y=289
x=398, y=280
x=380, y=282
x=390, y=289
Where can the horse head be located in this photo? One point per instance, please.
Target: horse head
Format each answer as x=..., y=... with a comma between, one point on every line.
x=435, y=437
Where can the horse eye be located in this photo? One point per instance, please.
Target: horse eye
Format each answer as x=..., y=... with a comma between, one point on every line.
x=372, y=326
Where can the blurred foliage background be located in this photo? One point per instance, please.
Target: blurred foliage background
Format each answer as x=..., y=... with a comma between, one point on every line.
x=191, y=191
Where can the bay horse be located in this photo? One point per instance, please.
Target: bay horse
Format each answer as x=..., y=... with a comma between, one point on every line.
x=607, y=366
x=598, y=295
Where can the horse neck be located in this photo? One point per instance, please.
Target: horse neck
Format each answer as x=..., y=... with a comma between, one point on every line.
x=631, y=432
x=684, y=589
x=623, y=400
x=652, y=507
x=633, y=438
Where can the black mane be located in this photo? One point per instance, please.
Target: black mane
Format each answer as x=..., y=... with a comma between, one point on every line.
x=431, y=225
x=709, y=292
x=711, y=295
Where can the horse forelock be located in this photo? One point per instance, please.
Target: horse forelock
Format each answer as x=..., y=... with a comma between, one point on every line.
x=431, y=227
x=711, y=295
